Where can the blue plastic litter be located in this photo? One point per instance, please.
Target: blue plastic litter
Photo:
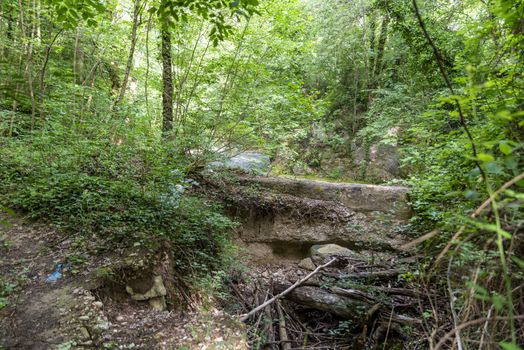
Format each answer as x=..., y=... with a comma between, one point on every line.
x=57, y=273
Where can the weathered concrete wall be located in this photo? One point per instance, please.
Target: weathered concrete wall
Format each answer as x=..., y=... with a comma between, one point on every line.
x=358, y=197
x=290, y=213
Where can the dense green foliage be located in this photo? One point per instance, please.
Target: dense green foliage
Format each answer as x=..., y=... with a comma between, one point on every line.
x=451, y=173
x=89, y=188
x=326, y=88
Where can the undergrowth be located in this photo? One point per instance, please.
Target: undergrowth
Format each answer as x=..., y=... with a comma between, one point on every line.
x=122, y=194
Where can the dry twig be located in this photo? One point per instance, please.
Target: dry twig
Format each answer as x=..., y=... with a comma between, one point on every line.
x=245, y=317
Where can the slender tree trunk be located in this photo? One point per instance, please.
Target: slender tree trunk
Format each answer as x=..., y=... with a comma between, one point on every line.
x=129, y=65
x=372, y=56
x=167, y=81
x=380, y=48
x=184, y=77
x=79, y=59
x=38, y=21
x=92, y=87
x=75, y=73
x=372, y=29
x=29, y=66
x=146, y=82
x=43, y=71
x=20, y=24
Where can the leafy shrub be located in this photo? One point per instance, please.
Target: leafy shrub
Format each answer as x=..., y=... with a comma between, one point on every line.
x=126, y=195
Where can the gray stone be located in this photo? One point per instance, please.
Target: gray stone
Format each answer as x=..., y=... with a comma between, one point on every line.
x=307, y=264
x=357, y=197
x=158, y=303
x=84, y=333
x=102, y=324
x=322, y=253
x=157, y=290
x=288, y=212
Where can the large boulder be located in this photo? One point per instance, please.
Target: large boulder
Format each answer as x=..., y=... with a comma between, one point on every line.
x=150, y=288
x=322, y=253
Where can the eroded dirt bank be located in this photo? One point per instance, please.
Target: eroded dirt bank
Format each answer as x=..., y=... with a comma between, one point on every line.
x=283, y=217
x=89, y=306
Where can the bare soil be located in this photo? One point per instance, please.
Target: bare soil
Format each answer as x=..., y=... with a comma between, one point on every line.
x=69, y=314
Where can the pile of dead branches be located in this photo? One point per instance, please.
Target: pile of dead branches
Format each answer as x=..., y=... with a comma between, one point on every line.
x=342, y=304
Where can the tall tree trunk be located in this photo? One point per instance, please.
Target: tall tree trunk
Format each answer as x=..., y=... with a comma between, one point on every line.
x=372, y=56
x=380, y=48
x=79, y=58
x=372, y=28
x=146, y=82
x=21, y=26
x=29, y=64
x=129, y=65
x=167, y=81
x=43, y=71
x=6, y=14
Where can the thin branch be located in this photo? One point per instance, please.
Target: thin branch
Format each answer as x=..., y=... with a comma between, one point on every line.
x=287, y=291
x=460, y=327
x=440, y=61
x=477, y=212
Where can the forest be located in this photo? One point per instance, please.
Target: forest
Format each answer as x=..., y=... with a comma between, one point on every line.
x=262, y=174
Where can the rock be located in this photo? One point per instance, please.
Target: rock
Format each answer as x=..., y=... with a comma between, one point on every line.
x=84, y=318
x=158, y=303
x=307, y=264
x=84, y=333
x=286, y=213
x=120, y=318
x=380, y=160
x=356, y=197
x=322, y=253
x=102, y=324
x=98, y=304
x=156, y=290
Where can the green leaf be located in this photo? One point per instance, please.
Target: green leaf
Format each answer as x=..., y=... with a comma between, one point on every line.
x=490, y=227
x=499, y=301
x=485, y=157
x=518, y=261
x=505, y=148
x=509, y=346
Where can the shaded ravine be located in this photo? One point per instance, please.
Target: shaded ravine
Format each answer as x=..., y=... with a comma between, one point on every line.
x=280, y=220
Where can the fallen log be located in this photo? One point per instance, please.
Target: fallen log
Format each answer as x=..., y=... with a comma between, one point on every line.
x=245, y=317
x=346, y=305
x=391, y=273
x=321, y=299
